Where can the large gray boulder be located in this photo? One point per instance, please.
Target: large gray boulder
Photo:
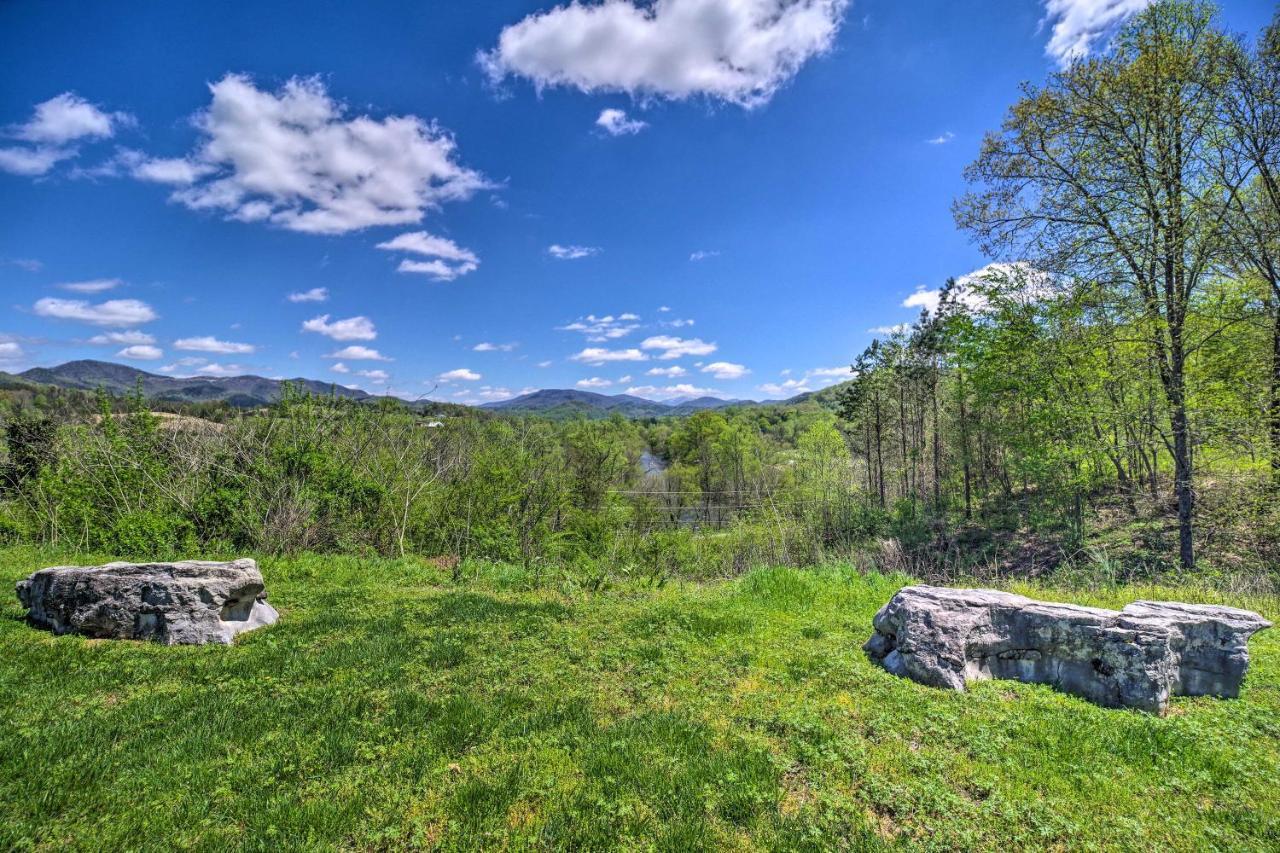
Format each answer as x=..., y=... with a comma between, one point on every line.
x=189, y=602
x=1136, y=657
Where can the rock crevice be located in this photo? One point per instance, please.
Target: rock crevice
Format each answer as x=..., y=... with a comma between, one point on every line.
x=1136, y=657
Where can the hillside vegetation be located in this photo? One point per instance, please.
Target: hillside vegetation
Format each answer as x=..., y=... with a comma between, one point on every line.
x=395, y=706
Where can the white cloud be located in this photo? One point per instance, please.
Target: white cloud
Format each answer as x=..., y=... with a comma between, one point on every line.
x=113, y=312
x=28, y=264
x=594, y=382
x=214, y=369
x=461, y=374
x=923, y=298
x=669, y=392
x=605, y=328
x=624, y=379
x=740, y=51
x=295, y=159
x=895, y=329
x=1082, y=26
x=942, y=139
x=208, y=343
x=1018, y=278
x=726, y=370
x=340, y=368
x=544, y=363
x=10, y=350
x=600, y=355
x=679, y=323
x=485, y=346
x=670, y=372
x=355, y=352
x=177, y=171
x=315, y=294
x=788, y=388
x=437, y=269
x=96, y=285
x=843, y=372
x=350, y=329
x=704, y=254
x=664, y=308
x=449, y=259
x=571, y=253
x=129, y=338
x=377, y=377
x=67, y=118
x=673, y=347
x=141, y=352
x=52, y=129
x=32, y=161
x=615, y=123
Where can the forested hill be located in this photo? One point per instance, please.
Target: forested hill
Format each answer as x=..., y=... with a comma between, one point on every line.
x=244, y=391
x=563, y=402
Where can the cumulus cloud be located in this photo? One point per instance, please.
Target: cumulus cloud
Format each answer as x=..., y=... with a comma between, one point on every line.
x=96, y=285
x=113, y=312
x=339, y=367
x=895, y=329
x=739, y=51
x=315, y=294
x=296, y=159
x=10, y=350
x=670, y=392
x=941, y=139
x=377, y=377
x=1082, y=26
x=670, y=372
x=787, y=388
x=461, y=374
x=129, y=338
x=673, y=347
x=726, y=370
x=594, y=382
x=141, y=352
x=485, y=346
x=600, y=355
x=449, y=260
x=52, y=131
x=842, y=372
x=616, y=123
x=1017, y=278
x=603, y=328
x=355, y=352
x=350, y=329
x=222, y=370
x=571, y=253
x=703, y=254
x=208, y=343
x=545, y=363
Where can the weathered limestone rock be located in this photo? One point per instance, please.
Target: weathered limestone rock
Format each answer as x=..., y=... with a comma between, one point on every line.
x=189, y=602
x=1136, y=657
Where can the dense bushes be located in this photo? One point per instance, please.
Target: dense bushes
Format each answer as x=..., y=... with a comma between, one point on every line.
x=327, y=475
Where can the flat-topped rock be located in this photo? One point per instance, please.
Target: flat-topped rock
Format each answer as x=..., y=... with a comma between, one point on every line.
x=189, y=602
x=1136, y=657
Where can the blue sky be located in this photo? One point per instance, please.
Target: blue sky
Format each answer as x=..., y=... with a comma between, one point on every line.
x=476, y=199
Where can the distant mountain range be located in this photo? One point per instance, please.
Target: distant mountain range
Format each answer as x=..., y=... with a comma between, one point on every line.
x=252, y=391
x=243, y=391
x=565, y=403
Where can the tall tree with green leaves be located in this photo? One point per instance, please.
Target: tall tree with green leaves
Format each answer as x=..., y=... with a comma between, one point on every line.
x=1105, y=177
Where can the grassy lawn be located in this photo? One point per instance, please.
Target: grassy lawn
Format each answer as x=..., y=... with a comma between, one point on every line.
x=391, y=708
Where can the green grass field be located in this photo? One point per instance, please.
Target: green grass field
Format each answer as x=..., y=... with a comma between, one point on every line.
x=391, y=708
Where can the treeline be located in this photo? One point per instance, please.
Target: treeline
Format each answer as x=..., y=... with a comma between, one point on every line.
x=1127, y=341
